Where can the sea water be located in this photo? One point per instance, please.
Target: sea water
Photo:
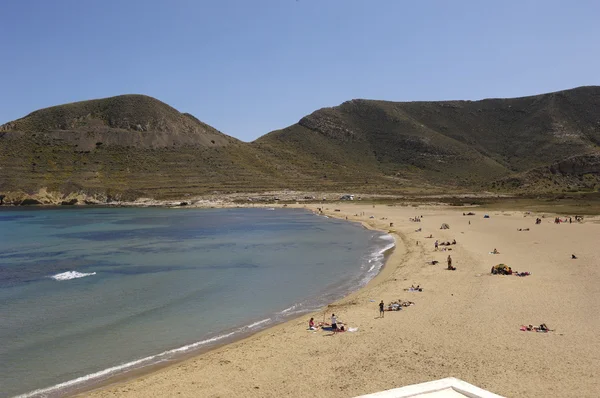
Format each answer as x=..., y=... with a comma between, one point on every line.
x=89, y=293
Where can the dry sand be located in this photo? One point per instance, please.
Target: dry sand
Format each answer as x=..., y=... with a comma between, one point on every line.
x=464, y=324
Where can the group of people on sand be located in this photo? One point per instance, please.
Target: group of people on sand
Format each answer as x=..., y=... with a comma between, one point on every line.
x=335, y=326
x=393, y=306
x=437, y=244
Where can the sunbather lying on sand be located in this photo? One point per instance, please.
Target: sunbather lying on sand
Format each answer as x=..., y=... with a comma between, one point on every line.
x=495, y=251
x=414, y=288
x=523, y=229
x=542, y=328
x=397, y=305
x=522, y=273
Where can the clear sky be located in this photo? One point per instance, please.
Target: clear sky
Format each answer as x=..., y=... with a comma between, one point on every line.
x=248, y=67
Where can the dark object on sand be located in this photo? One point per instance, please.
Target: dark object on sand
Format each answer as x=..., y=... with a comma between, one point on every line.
x=501, y=269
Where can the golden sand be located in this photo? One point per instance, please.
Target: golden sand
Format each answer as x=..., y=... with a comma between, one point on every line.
x=465, y=323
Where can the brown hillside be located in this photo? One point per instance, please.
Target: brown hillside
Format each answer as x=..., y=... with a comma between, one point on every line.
x=454, y=143
x=135, y=145
x=126, y=120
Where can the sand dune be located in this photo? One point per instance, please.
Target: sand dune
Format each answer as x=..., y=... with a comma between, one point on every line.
x=464, y=324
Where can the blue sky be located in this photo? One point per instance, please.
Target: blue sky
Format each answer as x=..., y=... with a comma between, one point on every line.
x=248, y=67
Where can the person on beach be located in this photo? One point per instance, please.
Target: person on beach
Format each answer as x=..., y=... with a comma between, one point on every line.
x=436, y=245
x=311, y=324
x=381, y=311
x=334, y=327
x=450, y=267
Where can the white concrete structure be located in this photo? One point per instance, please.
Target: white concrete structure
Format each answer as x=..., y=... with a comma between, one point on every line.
x=449, y=387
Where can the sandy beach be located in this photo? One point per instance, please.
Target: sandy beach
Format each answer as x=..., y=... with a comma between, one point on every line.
x=465, y=323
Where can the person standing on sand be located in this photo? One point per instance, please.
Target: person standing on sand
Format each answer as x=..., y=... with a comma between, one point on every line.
x=334, y=323
x=381, y=311
x=450, y=263
x=436, y=245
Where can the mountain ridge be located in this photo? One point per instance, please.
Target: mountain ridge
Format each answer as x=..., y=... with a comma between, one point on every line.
x=136, y=143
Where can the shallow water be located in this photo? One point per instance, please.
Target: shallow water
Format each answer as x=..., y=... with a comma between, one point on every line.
x=86, y=292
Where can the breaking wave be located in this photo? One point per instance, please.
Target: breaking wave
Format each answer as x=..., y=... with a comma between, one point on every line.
x=65, y=276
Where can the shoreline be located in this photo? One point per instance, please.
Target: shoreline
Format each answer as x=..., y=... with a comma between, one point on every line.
x=137, y=373
x=134, y=374
x=445, y=334
x=221, y=339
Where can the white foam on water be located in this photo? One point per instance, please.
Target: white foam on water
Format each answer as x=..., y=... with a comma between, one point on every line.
x=377, y=258
x=65, y=276
x=387, y=237
x=163, y=356
x=293, y=307
x=255, y=324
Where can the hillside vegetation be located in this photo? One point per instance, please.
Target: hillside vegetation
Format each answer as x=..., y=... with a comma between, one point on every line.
x=133, y=145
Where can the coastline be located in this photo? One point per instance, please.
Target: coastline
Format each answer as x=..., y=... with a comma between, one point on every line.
x=144, y=366
x=465, y=324
x=446, y=334
x=136, y=373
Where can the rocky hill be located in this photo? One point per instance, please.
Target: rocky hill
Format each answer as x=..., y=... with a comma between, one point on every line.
x=133, y=145
x=126, y=120
x=448, y=143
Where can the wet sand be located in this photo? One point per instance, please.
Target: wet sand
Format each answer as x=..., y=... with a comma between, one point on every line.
x=465, y=323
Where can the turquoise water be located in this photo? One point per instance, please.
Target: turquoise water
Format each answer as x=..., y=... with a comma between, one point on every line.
x=87, y=293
